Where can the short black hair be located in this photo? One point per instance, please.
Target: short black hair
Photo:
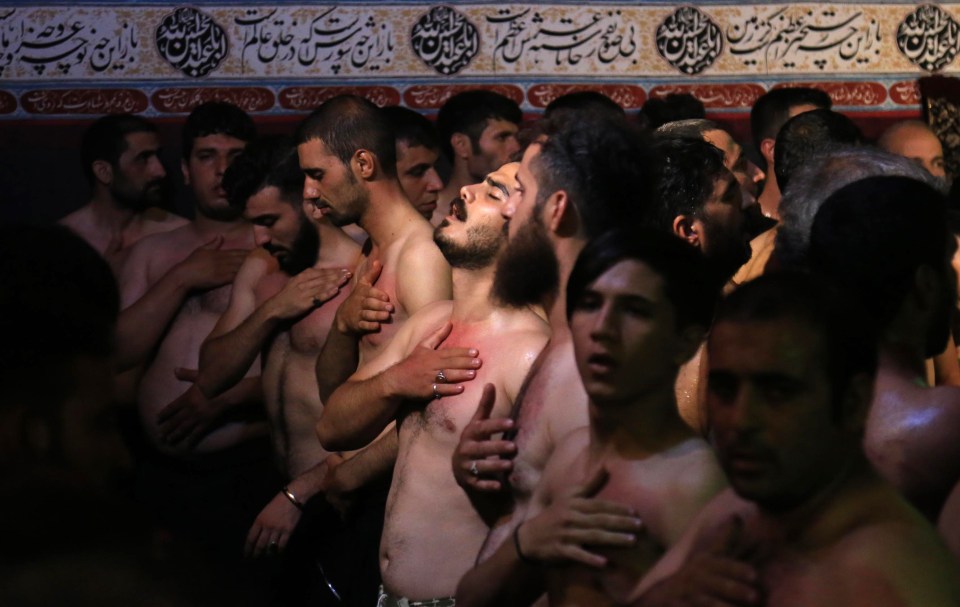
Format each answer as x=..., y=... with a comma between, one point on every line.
x=216, y=118
x=849, y=338
x=265, y=162
x=772, y=109
x=874, y=234
x=468, y=113
x=690, y=128
x=686, y=275
x=688, y=171
x=347, y=123
x=411, y=128
x=657, y=111
x=808, y=136
x=106, y=139
x=603, y=163
x=584, y=101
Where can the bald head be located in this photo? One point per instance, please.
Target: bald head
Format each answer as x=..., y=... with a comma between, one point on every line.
x=915, y=140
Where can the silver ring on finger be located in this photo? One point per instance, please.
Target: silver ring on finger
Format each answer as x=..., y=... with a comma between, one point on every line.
x=436, y=394
x=473, y=468
x=441, y=378
x=316, y=302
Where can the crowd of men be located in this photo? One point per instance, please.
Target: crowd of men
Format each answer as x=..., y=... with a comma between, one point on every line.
x=587, y=359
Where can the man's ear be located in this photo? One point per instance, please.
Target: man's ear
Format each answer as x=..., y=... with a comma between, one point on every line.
x=364, y=162
x=687, y=228
x=462, y=147
x=103, y=171
x=559, y=214
x=766, y=150
x=185, y=169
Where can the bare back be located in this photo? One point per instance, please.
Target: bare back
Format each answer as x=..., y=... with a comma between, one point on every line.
x=414, y=274
x=432, y=532
x=552, y=404
x=180, y=345
x=913, y=437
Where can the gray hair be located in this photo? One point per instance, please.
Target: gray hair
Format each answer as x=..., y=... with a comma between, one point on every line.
x=811, y=186
x=692, y=128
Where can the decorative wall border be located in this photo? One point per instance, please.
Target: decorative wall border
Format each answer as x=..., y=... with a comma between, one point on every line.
x=280, y=58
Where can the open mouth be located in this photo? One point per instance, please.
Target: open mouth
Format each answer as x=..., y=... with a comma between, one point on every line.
x=458, y=209
x=601, y=363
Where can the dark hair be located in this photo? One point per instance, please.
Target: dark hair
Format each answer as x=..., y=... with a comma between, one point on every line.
x=872, y=236
x=688, y=171
x=604, y=165
x=216, y=118
x=468, y=113
x=686, y=276
x=658, y=111
x=347, y=123
x=772, y=109
x=849, y=338
x=59, y=303
x=808, y=136
x=267, y=161
x=106, y=139
x=692, y=128
x=584, y=101
x=411, y=128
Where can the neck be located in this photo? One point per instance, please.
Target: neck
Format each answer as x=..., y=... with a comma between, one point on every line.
x=828, y=514
x=555, y=304
x=208, y=225
x=647, y=423
x=389, y=213
x=107, y=212
x=769, y=199
x=471, y=294
x=904, y=359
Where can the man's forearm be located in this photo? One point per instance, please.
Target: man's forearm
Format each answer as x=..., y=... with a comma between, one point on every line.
x=503, y=579
x=224, y=360
x=337, y=361
x=142, y=324
x=357, y=412
x=368, y=464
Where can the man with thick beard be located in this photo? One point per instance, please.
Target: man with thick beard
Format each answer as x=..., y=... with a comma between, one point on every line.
x=120, y=155
x=584, y=175
x=424, y=379
x=280, y=310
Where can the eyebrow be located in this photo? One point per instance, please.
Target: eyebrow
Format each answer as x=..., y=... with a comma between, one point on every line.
x=496, y=184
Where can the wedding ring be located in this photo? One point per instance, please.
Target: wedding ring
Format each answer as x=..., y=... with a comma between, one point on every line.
x=436, y=394
x=441, y=378
x=473, y=468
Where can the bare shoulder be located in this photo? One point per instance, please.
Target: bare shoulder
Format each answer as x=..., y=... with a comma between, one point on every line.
x=905, y=556
x=255, y=267
x=427, y=319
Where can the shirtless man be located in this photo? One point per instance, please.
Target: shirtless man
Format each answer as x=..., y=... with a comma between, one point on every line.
x=915, y=140
x=582, y=177
x=808, y=521
x=431, y=533
x=913, y=431
x=280, y=310
x=768, y=114
x=121, y=161
x=199, y=483
x=418, y=148
x=639, y=305
x=346, y=150
x=478, y=132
